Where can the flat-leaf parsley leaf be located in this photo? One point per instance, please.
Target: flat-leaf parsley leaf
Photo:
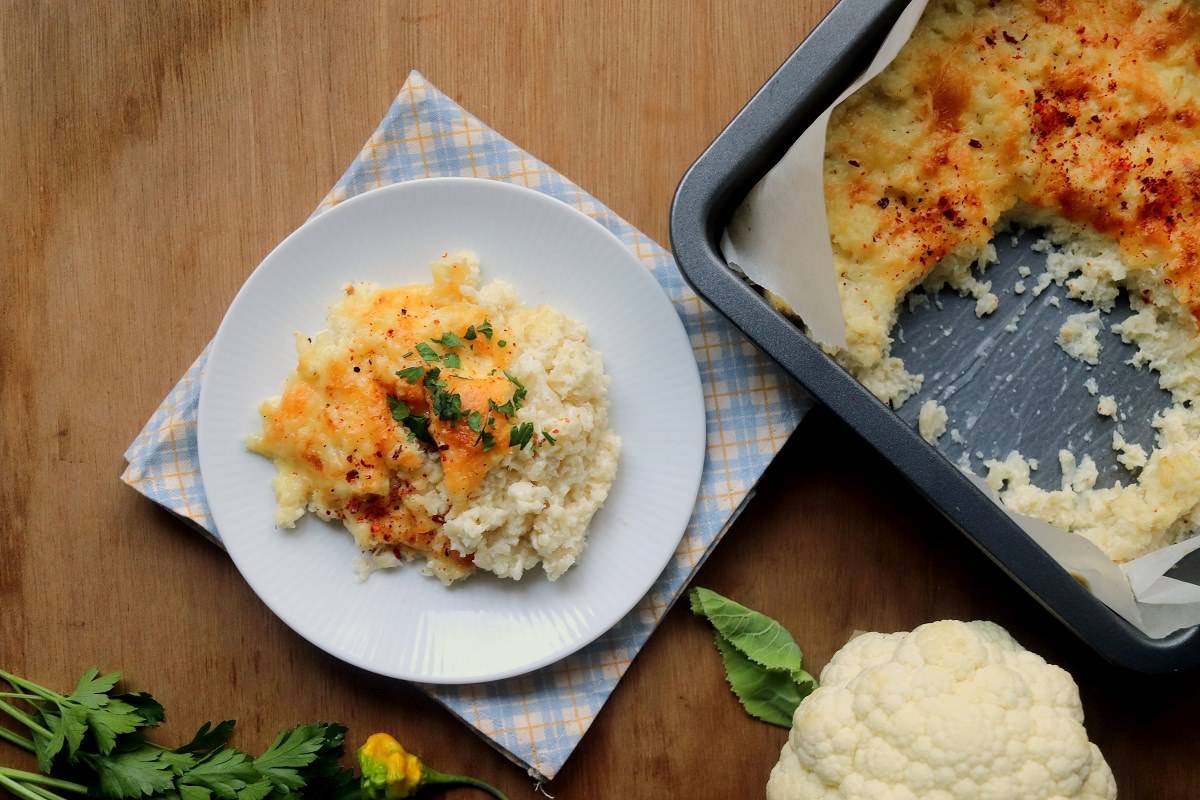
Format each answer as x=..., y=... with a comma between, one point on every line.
x=411, y=374
x=418, y=424
x=399, y=409
x=427, y=353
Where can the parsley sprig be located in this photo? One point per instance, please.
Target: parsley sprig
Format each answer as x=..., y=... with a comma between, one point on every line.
x=93, y=743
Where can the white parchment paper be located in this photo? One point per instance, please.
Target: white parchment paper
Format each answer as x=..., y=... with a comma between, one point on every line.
x=779, y=237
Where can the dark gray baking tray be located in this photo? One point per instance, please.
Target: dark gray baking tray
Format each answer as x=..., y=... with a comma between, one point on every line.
x=822, y=66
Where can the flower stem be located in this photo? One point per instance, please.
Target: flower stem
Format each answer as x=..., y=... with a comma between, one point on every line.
x=23, y=718
x=19, y=696
x=44, y=780
x=16, y=738
x=431, y=777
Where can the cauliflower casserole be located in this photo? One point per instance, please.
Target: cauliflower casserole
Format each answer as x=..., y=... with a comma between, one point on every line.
x=447, y=422
x=1075, y=116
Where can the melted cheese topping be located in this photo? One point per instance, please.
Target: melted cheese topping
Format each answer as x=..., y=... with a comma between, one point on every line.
x=1041, y=109
x=333, y=435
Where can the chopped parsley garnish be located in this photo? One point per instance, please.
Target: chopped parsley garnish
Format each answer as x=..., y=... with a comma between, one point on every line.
x=485, y=436
x=408, y=354
x=447, y=405
x=451, y=361
x=518, y=394
x=502, y=343
x=546, y=435
x=448, y=339
x=399, y=409
x=519, y=435
x=419, y=425
x=486, y=329
x=411, y=374
x=470, y=334
x=427, y=353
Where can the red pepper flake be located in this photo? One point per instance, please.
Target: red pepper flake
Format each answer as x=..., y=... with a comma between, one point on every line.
x=978, y=145
x=352, y=476
x=439, y=519
x=1008, y=37
x=853, y=163
x=990, y=41
x=883, y=202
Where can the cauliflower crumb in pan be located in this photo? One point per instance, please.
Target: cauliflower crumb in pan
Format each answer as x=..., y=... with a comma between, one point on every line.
x=931, y=422
x=1078, y=337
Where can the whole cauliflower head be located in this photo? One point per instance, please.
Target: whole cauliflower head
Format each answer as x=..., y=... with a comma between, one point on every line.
x=952, y=710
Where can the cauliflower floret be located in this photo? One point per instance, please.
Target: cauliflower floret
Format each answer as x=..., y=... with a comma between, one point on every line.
x=951, y=710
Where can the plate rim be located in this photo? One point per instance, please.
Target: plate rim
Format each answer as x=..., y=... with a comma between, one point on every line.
x=294, y=620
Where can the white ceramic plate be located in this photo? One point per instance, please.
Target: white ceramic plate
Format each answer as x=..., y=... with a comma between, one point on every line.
x=399, y=622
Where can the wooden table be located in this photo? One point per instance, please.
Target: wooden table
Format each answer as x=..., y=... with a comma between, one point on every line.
x=152, y=155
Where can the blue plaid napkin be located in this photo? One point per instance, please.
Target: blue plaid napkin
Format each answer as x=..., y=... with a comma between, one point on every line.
x=536, y=719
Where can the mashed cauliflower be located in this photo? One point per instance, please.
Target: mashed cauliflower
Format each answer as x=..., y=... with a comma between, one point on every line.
x=448, y=422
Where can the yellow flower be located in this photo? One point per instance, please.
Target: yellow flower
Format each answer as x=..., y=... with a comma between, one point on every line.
x=389, y=772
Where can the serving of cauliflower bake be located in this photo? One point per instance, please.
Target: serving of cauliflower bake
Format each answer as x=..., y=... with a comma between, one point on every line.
x=445, y=422
x=1074, y=116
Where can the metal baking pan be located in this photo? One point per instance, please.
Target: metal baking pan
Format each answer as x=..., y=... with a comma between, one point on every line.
x=820, y=68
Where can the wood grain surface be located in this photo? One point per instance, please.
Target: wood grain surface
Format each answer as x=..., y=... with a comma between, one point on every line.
x=153, y=153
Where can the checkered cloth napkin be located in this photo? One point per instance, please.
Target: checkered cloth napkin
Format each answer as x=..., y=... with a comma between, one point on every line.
x=536, y=719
